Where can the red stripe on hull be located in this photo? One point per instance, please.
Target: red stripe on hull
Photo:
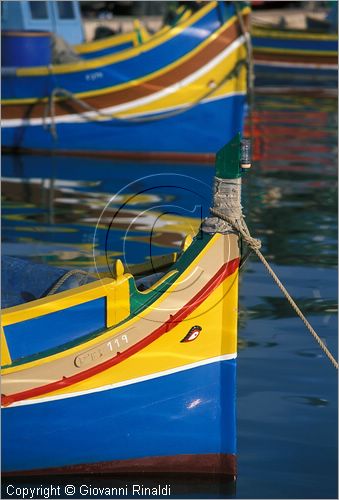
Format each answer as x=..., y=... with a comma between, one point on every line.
x=226, y=270
x=295, y=58
x=121, y=155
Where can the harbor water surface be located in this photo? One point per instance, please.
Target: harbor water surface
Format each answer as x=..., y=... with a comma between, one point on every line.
x=55, y=209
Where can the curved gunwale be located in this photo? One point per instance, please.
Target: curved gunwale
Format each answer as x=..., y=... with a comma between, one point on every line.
x=98, y=62
x=130, y=36
x=38, y=307
x=226, y=270
x=111, y=41
x=190, y=291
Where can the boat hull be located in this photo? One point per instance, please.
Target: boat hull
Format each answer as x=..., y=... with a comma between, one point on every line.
x=297, y=60
x=143, y=426
x=182, y=92
x=184, y=133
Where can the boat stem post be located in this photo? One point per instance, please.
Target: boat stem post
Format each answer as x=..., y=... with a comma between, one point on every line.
x=230, y=163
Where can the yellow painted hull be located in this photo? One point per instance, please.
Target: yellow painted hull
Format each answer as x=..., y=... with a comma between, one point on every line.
x=167, y=351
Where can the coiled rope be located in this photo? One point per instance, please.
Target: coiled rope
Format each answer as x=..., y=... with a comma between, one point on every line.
x=255, y=244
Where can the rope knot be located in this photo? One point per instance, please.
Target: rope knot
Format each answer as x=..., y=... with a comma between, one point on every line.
x=240, y=226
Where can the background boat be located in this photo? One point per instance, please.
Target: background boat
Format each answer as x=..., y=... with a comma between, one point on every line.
x=289, y=54
x=152, y=100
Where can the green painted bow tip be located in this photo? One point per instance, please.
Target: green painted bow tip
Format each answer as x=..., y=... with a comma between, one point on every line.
x=227, y=160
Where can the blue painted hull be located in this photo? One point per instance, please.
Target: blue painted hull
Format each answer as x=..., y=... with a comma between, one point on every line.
x=203, y=129
x=297, y=77
x=191, y=412
x=294, y=43
x=298, y=60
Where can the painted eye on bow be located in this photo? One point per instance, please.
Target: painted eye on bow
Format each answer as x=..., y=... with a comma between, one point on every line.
x=192, y=334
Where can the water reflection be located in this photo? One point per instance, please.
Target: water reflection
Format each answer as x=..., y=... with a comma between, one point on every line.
x=293, y=202
x=60, y=218
x=276, y=307
x=287, y=394
x=306, y=400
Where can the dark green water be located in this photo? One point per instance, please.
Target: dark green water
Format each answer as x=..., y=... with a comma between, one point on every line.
x=287, y=389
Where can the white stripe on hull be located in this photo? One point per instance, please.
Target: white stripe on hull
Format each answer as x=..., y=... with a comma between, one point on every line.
x=137, y=380
x=295, y=64
x=79, y=118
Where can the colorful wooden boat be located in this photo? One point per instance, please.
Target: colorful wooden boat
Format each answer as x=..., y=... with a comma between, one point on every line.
x=152, y=99
x=107, y=378
x=297, y=59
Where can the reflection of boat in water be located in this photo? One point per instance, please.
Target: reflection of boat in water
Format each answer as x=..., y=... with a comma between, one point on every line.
x=151, y=99
x=147, y=377
x=50, y=216
x=277, y=121
x=295, y=59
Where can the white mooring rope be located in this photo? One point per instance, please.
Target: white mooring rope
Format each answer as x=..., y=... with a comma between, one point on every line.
x=254, y=244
